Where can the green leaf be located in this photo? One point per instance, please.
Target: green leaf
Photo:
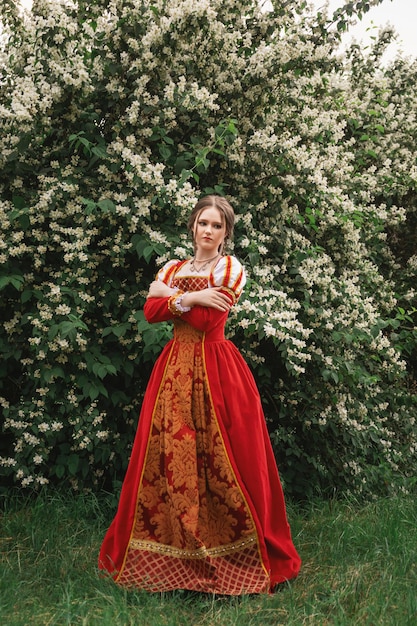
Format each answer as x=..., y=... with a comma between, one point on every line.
x=16, y=280
x=121, y=329
x=26, y=295
x=60, y=471
x=102, y=369
x=152, y=249
x=106, y=205
x=89, y=204
x=73, y=464
x=66, y=328
x=139, y=245
x=19, y=202
x=98, y=151
x=165, y=152
x=54, y=372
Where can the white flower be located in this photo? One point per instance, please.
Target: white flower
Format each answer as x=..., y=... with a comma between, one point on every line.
x=102, y=434
x=63, y=309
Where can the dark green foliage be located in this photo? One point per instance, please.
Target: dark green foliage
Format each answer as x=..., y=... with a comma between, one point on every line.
x=114, y=119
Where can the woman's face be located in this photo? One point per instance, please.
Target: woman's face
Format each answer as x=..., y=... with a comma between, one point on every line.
x=209, y=232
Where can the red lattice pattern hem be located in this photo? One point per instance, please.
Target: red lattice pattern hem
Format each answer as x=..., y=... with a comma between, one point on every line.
x=239, y=572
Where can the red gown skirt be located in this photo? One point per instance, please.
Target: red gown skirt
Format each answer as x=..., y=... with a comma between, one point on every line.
x=201, y=507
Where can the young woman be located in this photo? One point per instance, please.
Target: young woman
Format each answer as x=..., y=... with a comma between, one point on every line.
x=201, y=506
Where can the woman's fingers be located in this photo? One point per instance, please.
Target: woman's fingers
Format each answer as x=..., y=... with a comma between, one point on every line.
x=158, y=289
x=213, y=297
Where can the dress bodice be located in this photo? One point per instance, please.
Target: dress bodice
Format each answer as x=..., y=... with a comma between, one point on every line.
x=185, y=332
x=190, y=283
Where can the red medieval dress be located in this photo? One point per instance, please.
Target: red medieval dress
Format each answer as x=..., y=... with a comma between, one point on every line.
x=201, y=507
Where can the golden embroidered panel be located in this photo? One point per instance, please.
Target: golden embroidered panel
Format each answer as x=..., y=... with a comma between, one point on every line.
x=192, y=520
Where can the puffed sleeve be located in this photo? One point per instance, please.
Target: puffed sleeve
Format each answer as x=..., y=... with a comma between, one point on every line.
x=166, y=273
x=156, y=309
x=229, y=274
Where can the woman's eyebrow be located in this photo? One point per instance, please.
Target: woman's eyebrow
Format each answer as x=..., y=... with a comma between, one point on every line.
x=213, y=222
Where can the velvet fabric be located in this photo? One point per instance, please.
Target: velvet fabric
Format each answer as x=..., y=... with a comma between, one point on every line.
x=236, y=409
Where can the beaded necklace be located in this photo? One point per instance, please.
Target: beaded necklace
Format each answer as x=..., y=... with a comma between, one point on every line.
x=193, y=261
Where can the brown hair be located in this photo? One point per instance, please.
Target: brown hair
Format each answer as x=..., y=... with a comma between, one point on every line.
x=217, y=202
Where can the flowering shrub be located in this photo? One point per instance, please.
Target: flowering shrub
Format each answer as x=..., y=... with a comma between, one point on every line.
x=115, y=117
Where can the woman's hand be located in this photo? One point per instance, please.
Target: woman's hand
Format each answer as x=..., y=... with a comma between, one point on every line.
x=158, y=289
x=211, y=297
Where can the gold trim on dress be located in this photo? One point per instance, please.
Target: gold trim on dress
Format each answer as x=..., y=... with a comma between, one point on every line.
x=199, y=553
x=230, y=292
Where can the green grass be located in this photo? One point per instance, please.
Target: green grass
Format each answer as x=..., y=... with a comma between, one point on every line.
x=359, y=567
